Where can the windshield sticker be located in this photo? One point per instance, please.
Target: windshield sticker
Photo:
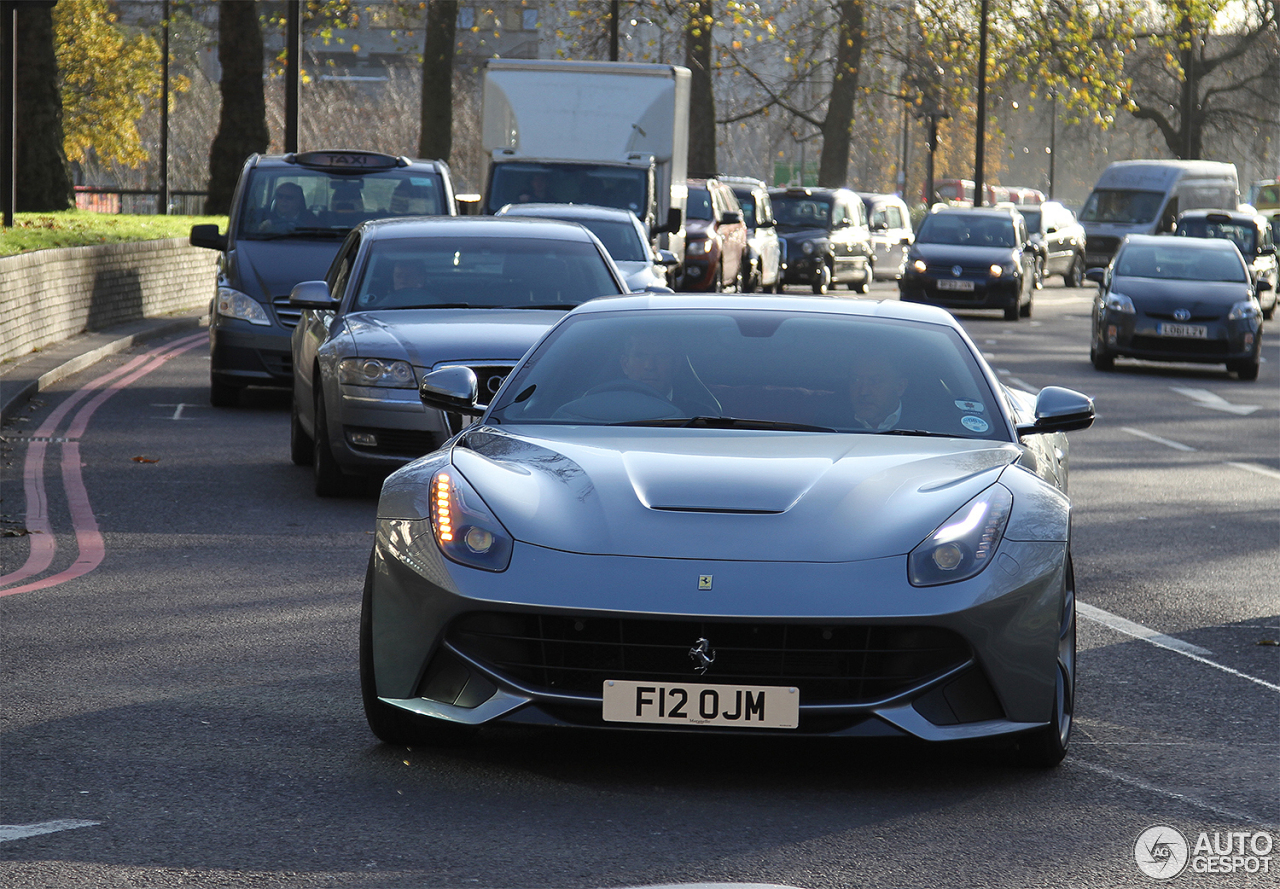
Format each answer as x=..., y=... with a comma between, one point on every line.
x=974, y=407
x=974, y=424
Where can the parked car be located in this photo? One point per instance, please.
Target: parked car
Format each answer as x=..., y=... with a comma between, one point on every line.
x=621, y=233
x=288, y=215
x=1058, y=240
x=598, y=550
x=889, y=220
x=828, y=240
x=1177, y=299
x=715, y=244
x=972, y=258
x=765, y=256
x=404, y=297
x=1251, y=233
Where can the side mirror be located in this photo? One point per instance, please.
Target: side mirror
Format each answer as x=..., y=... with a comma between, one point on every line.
x=1095, y=274
x=674, y=219
x=453, y=388
x=312, y=295
x=207, y=236
x=1264, y=284
x=731, y=217
x=1059, y=410
x=667, y=258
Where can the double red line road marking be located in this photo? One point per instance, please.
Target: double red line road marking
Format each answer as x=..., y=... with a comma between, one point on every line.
x=43, y=542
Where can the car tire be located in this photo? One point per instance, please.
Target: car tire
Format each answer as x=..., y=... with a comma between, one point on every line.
x=864, y=286
x=1244, y=370
x=223, y=394
x=823, y=284
x=390, y=724
x=1075, y=275
x=302, y=449
x=1040, y=273
x=330, y=480
x=739, y=280
x=1013, y=312
x=1025, y=311
x=751, y=283
x=1100, y=359
x=1045, y=747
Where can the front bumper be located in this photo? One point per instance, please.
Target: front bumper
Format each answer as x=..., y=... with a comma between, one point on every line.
x=803, y=268
x=244, y=354
x=1140, y=336
x=987, y=292
x=379, y=429
x=968, y=660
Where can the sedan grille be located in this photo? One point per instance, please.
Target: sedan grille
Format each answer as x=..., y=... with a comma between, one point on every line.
x=1177, y=346
x=834, y=664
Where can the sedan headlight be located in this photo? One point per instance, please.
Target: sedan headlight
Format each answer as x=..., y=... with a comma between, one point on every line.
x=1245, y=311
x=1118, y=302
x=999, y=270
x=698, y=247
x=465, y=530
x=234, y=304
x=964, y=544
x=376, y=372
x=920, y=266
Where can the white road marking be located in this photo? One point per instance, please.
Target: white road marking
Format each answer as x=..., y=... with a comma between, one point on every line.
x=1151, y=788
x=1254, y=467
x=9, y=832
x=1214, y=401
x=177, y=412
x=1186, y=649
x=1176, y=445
x=1129, y=628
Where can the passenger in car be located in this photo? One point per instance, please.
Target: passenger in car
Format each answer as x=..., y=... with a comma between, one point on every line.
x=877, y=384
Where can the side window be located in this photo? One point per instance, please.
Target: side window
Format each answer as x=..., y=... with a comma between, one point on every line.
x=893, y=217
x=340, y=271
x=1169, y=220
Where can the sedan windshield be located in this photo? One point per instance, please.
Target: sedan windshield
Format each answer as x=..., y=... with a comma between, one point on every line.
x=754, y=370
x=300, y=201
x=1180, y=261
x=962, y=229
x=1244, y=236
x=801, y=212
x=423, y=273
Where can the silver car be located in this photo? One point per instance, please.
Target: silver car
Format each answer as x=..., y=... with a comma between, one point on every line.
x=737, y=514
x=406, y=296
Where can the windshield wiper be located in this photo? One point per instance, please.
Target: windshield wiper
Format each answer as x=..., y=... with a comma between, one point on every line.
x=921, y=432
x=726, y=423
x=565, y=306
x=293, y=233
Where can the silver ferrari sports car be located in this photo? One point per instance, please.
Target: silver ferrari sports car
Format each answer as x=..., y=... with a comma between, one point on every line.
x=733, y=514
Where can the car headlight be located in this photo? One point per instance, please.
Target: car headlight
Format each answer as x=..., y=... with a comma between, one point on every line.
x=1118, y=302
x=808, y=248
x=465, y=530
x=920, y=266
x=998, y=270
x=376, y=372
x=1245, y=311
x=234, y=304
x=698, y=247
x=964, y=544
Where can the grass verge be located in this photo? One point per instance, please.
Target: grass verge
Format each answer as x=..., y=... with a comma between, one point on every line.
x=82, y=228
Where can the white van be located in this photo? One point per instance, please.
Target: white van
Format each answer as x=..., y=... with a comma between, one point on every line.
x=1145, y=197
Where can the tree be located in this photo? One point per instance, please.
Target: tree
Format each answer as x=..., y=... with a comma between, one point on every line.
x=702, y=103
x=436, y=140
x=44, y=180
x=837, y=125
x=1194, y=77
x=107, y=81
x=242, y=125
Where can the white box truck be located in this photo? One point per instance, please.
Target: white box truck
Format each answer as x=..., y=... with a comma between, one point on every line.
x=609, y=133
x=1145, y=197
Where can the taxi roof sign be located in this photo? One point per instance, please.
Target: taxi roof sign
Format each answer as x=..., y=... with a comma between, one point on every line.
x=347, y=160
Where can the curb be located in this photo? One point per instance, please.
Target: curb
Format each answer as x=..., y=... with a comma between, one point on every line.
x=24, y=379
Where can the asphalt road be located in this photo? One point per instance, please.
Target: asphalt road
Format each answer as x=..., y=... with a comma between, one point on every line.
x=180, y=702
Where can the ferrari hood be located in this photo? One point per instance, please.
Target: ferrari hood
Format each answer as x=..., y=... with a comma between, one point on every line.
x=428, y=337
x=725, y=494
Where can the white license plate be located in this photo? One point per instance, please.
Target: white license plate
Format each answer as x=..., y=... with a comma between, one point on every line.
x=948, y=284
x=688, y=703
x=1194, y=331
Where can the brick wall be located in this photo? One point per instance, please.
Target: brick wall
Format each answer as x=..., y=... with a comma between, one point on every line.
x=52, y=295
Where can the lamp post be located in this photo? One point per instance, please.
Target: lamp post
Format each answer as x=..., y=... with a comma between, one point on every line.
x=980, y=136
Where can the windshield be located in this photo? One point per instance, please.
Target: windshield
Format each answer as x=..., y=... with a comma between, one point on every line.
x=624, y=188
x=417, y=273
x=1129, y=207
x=801, y=211
x=699, y=204
x=963, y=229
x=1243, y=236
x=754, y=369
x=1180, y=261
x=284, y=200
